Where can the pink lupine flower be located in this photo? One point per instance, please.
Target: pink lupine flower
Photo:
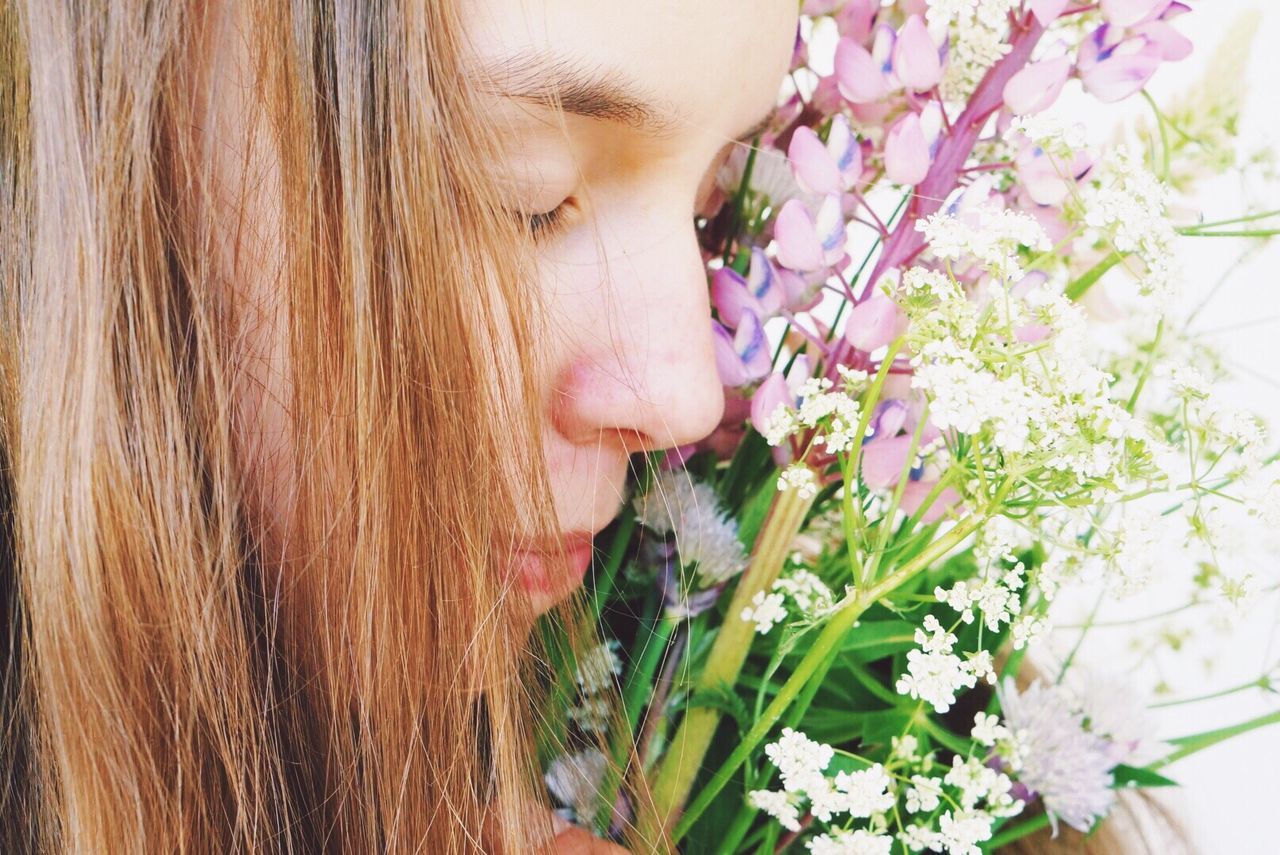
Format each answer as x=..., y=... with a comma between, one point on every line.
x=916, y=60
x=1172, y=44
x=1047, y=11
x=1113, y=66
x=800, y=294
x=826, y=168
x=764, y=285
x=774, y=392
x=1124, y=13
x=874, y=323
x=883, y=460
x=819, y=7
x=805, y=243
x=1037, y=86
x=743, y=357
x=1046, y=180
x=906, y=151
x=856, y=19
x=861, y=78
x=915, y=492
x=731, y=296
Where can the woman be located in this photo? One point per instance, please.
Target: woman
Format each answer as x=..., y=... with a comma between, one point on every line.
x=294, y=294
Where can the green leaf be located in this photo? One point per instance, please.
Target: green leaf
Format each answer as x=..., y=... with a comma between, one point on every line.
x=879, y=728
x=725, y=701
x=1133, y=776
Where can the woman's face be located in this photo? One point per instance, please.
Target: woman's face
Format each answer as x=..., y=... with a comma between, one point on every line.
x=655, y=92
x=654, y=95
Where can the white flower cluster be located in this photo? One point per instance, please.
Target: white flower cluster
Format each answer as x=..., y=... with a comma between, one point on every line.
x=862, y=794
x=800, y=478
x=596, y=669
x=949, y=809
x=1126, y=206
x=995, y=592
x=1050, y=133
x=834, y=412
x=935, y=674
x=810, y=596
x=706, y=537
x=1040, y=405
x=978, y=30
x=988, y=233
x=598, y=666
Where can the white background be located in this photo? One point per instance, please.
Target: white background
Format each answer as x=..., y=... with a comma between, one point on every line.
x=1231, y=793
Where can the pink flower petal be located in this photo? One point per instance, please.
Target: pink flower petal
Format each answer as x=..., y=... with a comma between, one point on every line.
x=752, y=347
x=915, y=57
x=773, y=393
x=846, y=151
x=762, y=282
x=1121, y=75
x=798, y=245
x=1037, y=86
x=1047, y=11
x=731, y=296
x=874, y=323
x=1032, y=333
x=830, y=227
x=914, y=494
x=906, y=152
x=1124, y=13
x=856, y=19
x=858, y=75
x=1173, y=45
x=814, y=167
x=883, y=461
x=728, y=365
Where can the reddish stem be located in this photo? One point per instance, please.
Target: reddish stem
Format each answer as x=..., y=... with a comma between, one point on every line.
x=904, y=242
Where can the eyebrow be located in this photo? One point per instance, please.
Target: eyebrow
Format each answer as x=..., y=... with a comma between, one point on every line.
x=551, y=80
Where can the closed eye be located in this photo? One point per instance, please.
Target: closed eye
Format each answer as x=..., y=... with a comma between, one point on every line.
x=546, y=224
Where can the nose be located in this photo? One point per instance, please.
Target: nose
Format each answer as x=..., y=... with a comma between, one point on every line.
x=643, y=373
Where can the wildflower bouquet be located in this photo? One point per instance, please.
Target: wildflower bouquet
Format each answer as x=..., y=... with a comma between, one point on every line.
x=938, y=421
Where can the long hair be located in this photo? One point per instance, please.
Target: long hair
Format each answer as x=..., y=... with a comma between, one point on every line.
x=178, y=674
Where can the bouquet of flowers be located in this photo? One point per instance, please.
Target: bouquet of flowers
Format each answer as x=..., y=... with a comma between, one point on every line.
x=959, y=384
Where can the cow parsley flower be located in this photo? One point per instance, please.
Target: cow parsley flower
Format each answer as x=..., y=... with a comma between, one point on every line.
x=765, y=610
x=934, y=673
x=800, y=478
x=988, y=233
x=782, y=806
x=859, y=842
x=597, y=667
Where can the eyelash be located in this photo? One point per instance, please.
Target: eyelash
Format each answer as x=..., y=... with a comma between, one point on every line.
x=546, y=224
x=543, y=225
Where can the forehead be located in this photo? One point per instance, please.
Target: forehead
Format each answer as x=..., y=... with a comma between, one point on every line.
x=695, y=60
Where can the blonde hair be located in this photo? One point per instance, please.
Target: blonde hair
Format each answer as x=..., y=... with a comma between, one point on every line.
x=168, y=685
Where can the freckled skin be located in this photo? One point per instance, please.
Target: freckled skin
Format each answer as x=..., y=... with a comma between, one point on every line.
x=628, y=351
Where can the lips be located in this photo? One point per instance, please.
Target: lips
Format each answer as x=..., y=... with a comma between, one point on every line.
x=550, y=572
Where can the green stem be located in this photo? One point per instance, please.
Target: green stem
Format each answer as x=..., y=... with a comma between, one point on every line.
x=1019, y=831
x=1263, y=682
x=1199, y=741
x=1190, y=232
x=832, y=634
x=609, y=572
x=1248, y=218
x=728, y=652
x=1077, y=288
